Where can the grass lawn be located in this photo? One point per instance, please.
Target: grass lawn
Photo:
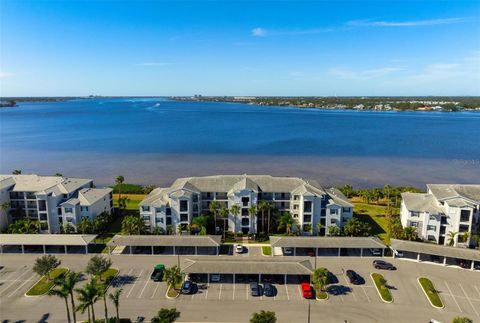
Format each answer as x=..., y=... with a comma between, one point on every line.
x=44, y=285
x=383, y=290
x=321, y=295
x=267, y=250
x=108, y=275
x=375, y=216
x=430, y=291
x=133, y=200
x=174, y=292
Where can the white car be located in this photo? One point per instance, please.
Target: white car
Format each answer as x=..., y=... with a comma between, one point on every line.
x=398, y=254
x=215, y=278
x=239, y=248
x=376, y=252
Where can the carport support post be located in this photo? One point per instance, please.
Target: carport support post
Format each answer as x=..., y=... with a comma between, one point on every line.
x=44, y=249
x=473, y=265
x=174, y=250
x=259, y=278
x=195, y=250
x=285, y=279
x=339, y=251
x=130, y=247
x=23, y=249
x=152, y=250
x=361, y=252
x=444, y=261
x=383, y=252
x=65, y=247
x=295, y=251
x=418, y=257
x=86, y=249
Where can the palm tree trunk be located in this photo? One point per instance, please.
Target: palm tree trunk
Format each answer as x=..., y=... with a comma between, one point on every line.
x=88, y=308
x=106, y=309
x=118, y=315
x=68, y=310
x=93, y=314
x=74, y=314
x=268, y=225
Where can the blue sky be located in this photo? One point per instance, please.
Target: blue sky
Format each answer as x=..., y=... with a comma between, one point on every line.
x=239, y=47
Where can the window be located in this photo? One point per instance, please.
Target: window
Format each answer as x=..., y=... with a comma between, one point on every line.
x=168, y=211
x=414, y=214
x=245, y=222
x=158, y=210
x=169, y=220
x=465, y=216
x=159, y=220
x=184, y=217
x=60, y=220
x=333, y=221
x=146, y=218
x=346, y=209
x=307, y=218
x=68, y=210
x=145, y=208
x=307, y=206
x=296, y=197
x=183, y=206
x=195, y=198
x=84, y=208
x=431, y=227
x=59, y=211
x=245, y=201
x=245, y=212
x=432, y=217
x=414, y=224
x=334, y=211
x=65, y=196
x=42, y=205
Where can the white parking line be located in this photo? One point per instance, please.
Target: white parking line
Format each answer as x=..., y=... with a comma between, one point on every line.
x=476, y=288
x=16, y=280
x=143, y=289
x=286, y=289
x=246, y=293
x=220, y=294
x=133, y=284
x=206, y=293
x=450, y=291
x=468, y=299
x=155, y=291
x=16, y=289
x=365, y=292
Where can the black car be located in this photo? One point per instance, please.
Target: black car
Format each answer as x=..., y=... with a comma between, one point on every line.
x=332, y=279
x=188, y=287
x=268, y=290
x=353, y=277
x=380, y=264
x=255, y=289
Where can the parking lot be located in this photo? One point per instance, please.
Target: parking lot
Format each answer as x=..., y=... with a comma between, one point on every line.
x=459, y=290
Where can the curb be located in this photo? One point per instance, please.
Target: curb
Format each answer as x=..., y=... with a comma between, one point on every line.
x=168, y=297
x=378, y=291
x=426, y=295
x=68, y=269
x=322, y=300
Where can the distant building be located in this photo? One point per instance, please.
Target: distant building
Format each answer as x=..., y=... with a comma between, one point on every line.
x=443, y=209
x=52, y=200
x=188, y=198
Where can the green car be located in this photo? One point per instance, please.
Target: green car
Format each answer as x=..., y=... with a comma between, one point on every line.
x=157, y=274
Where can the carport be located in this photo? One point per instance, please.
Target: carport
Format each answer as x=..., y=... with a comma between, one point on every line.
x=329, y=246
x=446, y=255
x=46, y=243
x=166, y=245
x=250, y=270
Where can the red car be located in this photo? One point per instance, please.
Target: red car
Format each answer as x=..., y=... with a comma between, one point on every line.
x=310, y=252
x=307, y=291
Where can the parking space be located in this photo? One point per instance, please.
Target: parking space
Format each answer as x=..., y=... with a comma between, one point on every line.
x=136, y=284
x=16, y=281
x=464, y=298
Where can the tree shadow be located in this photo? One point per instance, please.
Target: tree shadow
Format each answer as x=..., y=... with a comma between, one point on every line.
x=123, y=280
x=376, y=228
x=338, y=290
x=44, y=318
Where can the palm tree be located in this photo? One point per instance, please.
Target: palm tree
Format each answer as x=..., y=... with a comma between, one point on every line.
x=319, y=228
x=132, y=225
x=102, y=293
x=269, y=208
x=173, y=276
x=451, y=238
x=320, y=278
x=70, y=279
x=17, y=172
x=63, y=292
x=252, y=211
x=115, y=298
x=119, y=181
x=262, y=207
x=410, y=233
x=224, y=215
x=214, y=206
x=88, y=296
x=286, y=222
x=235, y=211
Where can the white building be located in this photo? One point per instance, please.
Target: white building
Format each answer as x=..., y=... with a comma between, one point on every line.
x=187, y=198
x=49, y=199
x=443, y=209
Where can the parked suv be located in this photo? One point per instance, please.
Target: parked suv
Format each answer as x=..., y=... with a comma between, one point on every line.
x=268, y=290
x=188, y=287
x=157, y=273
x=380, y=264
x=255, y=289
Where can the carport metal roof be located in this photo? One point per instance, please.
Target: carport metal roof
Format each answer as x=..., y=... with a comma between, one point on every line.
x=46, y=239
x=326, y=242
x=232, y=266
x=436, y=250
x=165, y=241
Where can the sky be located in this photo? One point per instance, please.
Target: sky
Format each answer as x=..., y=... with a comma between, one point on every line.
x=285, y=48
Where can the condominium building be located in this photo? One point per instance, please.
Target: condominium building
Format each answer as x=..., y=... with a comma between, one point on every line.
x=445, y=210
x=52, y=200
x=187, y=198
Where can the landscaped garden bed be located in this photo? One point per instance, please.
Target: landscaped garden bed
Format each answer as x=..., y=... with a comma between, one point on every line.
x=382, y=288
x=430, y=292
x=46, y=283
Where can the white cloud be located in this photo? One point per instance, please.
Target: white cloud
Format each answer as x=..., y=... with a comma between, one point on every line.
x=5, y=74
x=413, y=23
x=152, y=64
x=259, y=32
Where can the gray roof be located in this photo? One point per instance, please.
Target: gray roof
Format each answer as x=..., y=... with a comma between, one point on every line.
x=420, y=202
x=434, y=249
x=447, y=191
x=164, y=240
x=230, y=183
x=338, y=198
x=47, y=239
x=45, y=184
x=326, y=242
x=89, y=196
x=245, y=266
